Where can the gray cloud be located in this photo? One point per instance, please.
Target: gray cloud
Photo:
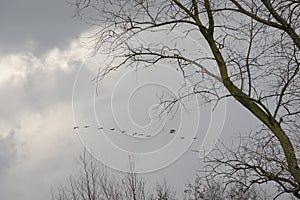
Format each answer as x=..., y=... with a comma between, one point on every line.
x=36, y=92
x=46, y=24
x=8, y=151
x=39, y=102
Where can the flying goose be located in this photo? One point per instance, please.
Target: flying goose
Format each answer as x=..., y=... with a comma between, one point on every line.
x=172, y=131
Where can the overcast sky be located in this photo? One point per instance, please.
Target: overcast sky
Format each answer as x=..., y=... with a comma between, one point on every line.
x=43, y=64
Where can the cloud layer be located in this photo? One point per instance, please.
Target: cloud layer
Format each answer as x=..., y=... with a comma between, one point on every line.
x=37, y=25
x=37, y=145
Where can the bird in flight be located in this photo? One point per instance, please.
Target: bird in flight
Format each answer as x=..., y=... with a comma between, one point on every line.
x=181, y=137
x=112, y=129
x=123, y=131
x=100, y=128
x=172, y=131
x=134, y=133
x=75, y=127
x=86, y=126
x=194, y=138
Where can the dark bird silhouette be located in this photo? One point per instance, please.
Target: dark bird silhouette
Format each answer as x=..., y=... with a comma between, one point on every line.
x=86, y=126
x=112, y=129
x=194, y=138
x=123, y=131
x=172, y=131
x=134, y=133
x=75, y=127
x=100, y=128
x=181, y=137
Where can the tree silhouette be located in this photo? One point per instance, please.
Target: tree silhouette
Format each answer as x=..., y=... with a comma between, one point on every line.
x=92, y=182
x=254, y=50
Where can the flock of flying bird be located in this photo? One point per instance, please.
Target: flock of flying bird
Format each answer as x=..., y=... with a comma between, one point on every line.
x=171, y=131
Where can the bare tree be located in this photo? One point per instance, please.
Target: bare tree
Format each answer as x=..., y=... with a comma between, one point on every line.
x=93, y=182
x=134, y=186
x=207, y=189
x=254, y=46
x=85, y=186
x=163, y=191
